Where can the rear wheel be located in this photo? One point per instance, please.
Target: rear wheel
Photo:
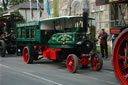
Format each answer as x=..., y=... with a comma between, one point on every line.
x=72, y=63
x=96, y=62
x=120, y=57
x=11, y=50
x=28, y=54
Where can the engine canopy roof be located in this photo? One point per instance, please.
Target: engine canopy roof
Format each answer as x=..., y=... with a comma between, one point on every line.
x=103, y=2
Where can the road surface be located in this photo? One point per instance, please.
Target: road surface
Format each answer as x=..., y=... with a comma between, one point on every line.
x=13, y=71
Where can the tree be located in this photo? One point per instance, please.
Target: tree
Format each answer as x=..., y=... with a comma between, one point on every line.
x=16, y=2
x=5, y=4
x=1, y=10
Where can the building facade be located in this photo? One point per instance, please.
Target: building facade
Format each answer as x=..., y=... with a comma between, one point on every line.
x=35, y=14
x=101, y=14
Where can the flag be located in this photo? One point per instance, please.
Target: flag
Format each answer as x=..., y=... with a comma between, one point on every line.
x=32, y=13
x=31, y=9
x=48, y=9
x=40, y=10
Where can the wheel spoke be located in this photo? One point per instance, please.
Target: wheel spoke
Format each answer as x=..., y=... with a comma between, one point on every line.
x=126, y=76
x=96, y=62
x=123, y=57
x=26, y=54
x=124, y=67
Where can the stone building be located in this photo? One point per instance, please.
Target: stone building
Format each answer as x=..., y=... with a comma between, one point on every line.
x=103, y=15
x=75, y=7
x=34, y=15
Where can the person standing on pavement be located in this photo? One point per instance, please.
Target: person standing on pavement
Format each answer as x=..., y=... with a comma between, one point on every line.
x=103, y=43
x=113, y=37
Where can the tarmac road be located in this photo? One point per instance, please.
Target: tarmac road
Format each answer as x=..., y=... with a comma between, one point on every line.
x=13, y=71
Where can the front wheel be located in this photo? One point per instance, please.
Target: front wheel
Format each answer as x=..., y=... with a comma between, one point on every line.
x=28, y=54
x=72, y=63
x=96, y=62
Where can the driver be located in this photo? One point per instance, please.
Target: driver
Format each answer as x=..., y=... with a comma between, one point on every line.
x=59, y=27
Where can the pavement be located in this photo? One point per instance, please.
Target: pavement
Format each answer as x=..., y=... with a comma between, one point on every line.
x=108, y=63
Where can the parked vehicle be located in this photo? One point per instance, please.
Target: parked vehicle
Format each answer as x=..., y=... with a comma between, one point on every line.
x=120, y=49
x=58, y=39
x=8, y=34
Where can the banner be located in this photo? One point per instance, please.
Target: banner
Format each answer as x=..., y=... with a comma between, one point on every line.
x=47, y=7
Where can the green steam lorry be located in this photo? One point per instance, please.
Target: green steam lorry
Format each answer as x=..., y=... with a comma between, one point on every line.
x=58, y=39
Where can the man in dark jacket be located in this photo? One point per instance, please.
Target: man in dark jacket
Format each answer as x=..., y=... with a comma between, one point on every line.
x=103, y=43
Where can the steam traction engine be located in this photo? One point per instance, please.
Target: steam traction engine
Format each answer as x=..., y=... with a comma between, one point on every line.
x=61, y=38
x=8, y=34
x=120, y=49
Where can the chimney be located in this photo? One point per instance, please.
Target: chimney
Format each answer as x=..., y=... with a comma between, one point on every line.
x=85, y=15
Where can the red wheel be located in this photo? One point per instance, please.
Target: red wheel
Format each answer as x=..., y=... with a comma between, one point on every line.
x=96, y=62
x=27, y=55
x=120, y=57
x=72, y=63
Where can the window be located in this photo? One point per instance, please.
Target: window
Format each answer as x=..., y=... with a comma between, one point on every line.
x=101, y=8
x=92, y=7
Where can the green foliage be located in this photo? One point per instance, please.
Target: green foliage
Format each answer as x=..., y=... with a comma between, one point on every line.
x=16, y=2
x=99, y=51
x=1, y=10
x=17, y=13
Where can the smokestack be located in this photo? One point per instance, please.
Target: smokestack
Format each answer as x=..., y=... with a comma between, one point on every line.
x=85, y=15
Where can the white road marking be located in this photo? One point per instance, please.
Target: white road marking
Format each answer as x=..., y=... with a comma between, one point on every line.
x=4, y=66
x=102, y=80
x=42, y=78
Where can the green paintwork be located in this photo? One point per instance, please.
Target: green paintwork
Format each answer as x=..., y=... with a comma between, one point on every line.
x=62, y=38
x=113, y=1
x=27, y=24
x=31, y=33
x=65, y=40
